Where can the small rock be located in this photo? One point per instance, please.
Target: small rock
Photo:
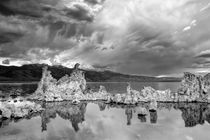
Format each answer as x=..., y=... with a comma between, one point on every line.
x=6, y=113
x=153, y=105
x=75, y=101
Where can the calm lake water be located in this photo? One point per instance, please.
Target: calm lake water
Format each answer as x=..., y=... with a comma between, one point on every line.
x=99, y=121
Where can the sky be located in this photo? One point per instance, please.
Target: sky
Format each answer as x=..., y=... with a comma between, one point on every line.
x=144, y=37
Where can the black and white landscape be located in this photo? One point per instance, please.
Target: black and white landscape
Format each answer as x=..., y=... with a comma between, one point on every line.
x=104, y=69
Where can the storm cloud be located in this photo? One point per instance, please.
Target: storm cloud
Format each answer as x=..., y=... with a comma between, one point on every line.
x=131, y=36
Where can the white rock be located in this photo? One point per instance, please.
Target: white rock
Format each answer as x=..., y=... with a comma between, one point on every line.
x=153, y=105
x=141, y=111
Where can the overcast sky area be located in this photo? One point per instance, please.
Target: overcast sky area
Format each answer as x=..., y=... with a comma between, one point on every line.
x=146, y=37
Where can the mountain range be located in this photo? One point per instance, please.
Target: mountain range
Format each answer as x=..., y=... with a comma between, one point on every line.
x=33, y=72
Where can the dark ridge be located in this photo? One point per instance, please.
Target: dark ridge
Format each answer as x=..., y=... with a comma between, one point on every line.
x=33, y=72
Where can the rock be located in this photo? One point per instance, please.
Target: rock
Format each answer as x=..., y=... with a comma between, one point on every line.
x=129, y=89
x=135, y=99
x=153, y=105
x=49, y=89
x=146, y=95
x=194, y=88
x=102, y=90
x=18, y=108
x=128, y=99
x=149, y=94
x=6, y=113
x=102, y=94
x=141, y=111
x=75, y=101
x=110, y=99
x=132, y=96
x=117, y=98
x=20, y=113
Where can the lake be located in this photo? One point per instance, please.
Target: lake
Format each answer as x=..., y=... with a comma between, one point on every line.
x=113, y=87
x=100, y=121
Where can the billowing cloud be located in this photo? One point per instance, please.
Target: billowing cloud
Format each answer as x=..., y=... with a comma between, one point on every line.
x=134, y=36
x=52, y=10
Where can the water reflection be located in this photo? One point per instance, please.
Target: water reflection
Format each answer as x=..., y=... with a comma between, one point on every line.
x=153, y=116
x=67, y=111
x=129, y=114
x=192, y=113
x=142, y=118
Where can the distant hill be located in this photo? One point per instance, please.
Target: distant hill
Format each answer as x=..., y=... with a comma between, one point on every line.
x=33, y=72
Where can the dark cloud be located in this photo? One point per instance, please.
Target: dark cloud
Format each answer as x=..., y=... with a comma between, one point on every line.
x=26, y=27
x=79, y=12
x=53, y=10
x=94, y=2
x=204, y=55
x=30, y=8
x=105, y=67
x=9, y=37
x=139, y=37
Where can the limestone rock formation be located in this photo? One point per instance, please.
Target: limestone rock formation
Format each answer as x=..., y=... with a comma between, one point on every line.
x=141, y=111
x=194, y=88
x=66, y=88
x=75, y=101
x=73, y=87
x=118, y=98
x=153, y=105
x=147, y=94
x=18, y=108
